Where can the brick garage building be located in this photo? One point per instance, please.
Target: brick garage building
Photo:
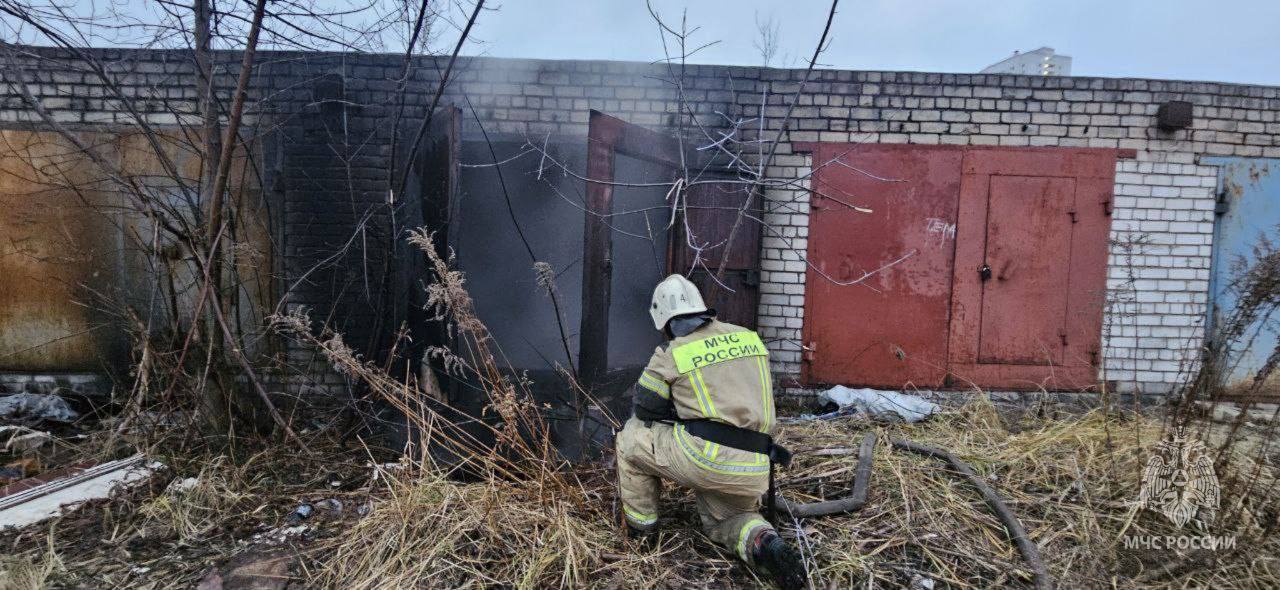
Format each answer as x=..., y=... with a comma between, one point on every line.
x=325, y=156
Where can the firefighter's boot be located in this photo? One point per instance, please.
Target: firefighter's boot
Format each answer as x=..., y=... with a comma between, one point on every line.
x=780, y=560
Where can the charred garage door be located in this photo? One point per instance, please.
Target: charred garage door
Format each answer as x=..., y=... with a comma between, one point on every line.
x=976, y=266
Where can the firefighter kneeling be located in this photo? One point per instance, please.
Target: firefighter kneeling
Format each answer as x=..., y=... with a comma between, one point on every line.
x=703, y=415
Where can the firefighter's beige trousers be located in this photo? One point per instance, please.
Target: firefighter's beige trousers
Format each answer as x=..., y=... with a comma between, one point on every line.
x=728, y=503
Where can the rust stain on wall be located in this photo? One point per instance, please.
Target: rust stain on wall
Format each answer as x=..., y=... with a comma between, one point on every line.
x=54, y=246
x=73, y=251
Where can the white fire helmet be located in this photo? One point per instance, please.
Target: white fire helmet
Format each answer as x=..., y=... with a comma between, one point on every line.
x=674, y=296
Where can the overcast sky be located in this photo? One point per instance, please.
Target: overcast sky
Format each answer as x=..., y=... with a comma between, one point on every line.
x=1216, y=40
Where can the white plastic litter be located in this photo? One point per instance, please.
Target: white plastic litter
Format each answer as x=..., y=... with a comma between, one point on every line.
x=35, y=407
x=881, y=405
x=19, y=439
x=179, y=486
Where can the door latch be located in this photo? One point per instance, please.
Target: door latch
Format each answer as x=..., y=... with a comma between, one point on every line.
x=751, y=277
x=984, y=272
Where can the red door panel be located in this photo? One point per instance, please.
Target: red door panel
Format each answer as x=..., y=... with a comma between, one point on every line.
x=1037, y=218
x=889, y=331
x=1026, y=305
x=1030, y=268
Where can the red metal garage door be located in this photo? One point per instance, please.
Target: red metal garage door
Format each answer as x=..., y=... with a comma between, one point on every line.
x=1004, y=272
x=1031, y=256
x=889, y=330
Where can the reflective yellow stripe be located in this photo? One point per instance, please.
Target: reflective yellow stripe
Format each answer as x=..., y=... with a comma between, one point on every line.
x=638, y=517
x=718, y=349
x=759, y=465
x=766, y=393
x=744, y=533
x=697, y=394
x=707, y=406
x=655, y=385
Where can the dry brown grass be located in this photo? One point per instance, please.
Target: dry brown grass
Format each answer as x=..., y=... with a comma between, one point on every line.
x=30, y=572
x=531, y=521
x=428, y=528
x=1072, y=481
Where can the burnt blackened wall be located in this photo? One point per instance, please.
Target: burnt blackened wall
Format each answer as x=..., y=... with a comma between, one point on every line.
x=332, y=119
x=330, y=138
x=326, y=124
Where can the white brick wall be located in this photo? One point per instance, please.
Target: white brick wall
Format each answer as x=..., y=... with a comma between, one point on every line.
x=1158, y=275
x=783, y=269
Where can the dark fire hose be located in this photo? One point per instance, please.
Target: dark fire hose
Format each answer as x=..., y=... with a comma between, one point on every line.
x=1030, y=552
x=855, y=501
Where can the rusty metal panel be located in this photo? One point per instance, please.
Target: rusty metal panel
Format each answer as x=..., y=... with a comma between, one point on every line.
x=608, y=137
x=1030, y=267
x=74, y=248
x=54, y=243
x=250, y=247
x=1021, y=319
x=1249, y=211
x=1004, y=281
x=891, y=330
x=711, y=210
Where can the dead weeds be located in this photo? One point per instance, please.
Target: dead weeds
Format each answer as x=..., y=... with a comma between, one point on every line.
x=1073, y=482
x=526, y=519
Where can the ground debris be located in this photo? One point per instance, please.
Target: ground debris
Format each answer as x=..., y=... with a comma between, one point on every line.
x=1072, y=482
x=301, y=513
x=19, y=439
x=878, y=404
x=35, y=408
x=1030, y=552
x=250, y=571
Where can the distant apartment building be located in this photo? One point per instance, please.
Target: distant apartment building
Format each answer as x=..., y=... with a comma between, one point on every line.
x=1039, y=62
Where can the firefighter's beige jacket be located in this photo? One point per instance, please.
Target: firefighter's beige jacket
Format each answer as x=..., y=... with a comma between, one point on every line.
x=720, y=372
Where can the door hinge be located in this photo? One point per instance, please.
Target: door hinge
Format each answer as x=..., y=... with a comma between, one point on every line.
x=1106, y=207
x=809, y=349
